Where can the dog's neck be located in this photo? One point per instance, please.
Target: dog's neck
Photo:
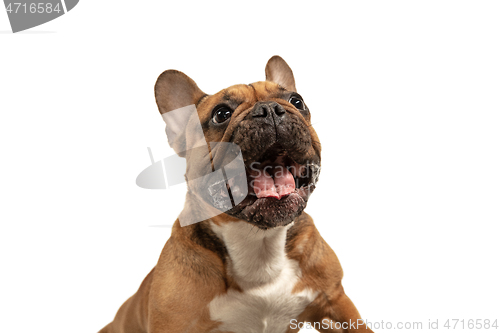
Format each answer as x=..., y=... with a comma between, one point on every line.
x=256, y=256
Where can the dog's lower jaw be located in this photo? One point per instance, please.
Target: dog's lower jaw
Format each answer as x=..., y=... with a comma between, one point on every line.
x=262, y=213
x=270, y=213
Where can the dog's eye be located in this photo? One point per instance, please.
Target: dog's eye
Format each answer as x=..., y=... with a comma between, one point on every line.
x=221, y=114
x=297, y=102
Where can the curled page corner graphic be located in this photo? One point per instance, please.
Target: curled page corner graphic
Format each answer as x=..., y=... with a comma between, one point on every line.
x=153, y=177
x=221, y=188
x=25, y=15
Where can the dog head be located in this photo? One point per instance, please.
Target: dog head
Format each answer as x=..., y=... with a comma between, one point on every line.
x=266, y=126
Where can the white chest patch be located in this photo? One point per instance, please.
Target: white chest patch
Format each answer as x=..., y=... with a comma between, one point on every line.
x=259, y=265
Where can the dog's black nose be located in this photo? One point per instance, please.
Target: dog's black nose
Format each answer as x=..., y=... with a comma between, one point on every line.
x=266, y=109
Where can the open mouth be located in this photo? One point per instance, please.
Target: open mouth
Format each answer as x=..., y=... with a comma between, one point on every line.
x=276, y=175
x=278, y=188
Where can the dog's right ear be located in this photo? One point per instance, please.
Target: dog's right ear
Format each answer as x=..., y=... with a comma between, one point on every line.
x=278, y=71
x=175, y=90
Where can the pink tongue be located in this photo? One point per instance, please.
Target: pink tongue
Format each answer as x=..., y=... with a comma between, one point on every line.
x=265, y=186
x=284, y=182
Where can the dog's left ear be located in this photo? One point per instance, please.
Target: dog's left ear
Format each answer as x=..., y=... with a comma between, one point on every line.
x=278, y=71
x=176, y=96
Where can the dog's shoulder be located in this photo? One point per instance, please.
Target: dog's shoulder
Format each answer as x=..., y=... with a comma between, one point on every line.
x=315, y=257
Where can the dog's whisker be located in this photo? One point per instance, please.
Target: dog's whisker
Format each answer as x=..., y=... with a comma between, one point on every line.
x=253, y=226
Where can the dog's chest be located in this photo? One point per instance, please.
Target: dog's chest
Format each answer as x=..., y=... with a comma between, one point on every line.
x=264, y=309
x=267, y=278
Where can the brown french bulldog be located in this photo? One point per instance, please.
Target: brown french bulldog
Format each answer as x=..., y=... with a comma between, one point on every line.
x=258, y=265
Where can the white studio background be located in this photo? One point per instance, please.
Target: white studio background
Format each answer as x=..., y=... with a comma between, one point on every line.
x=404, y=96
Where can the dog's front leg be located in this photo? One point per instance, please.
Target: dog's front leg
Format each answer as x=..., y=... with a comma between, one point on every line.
x=345, y=316
x=333, y=313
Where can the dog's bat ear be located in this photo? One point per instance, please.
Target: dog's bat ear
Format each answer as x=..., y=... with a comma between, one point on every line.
x=278, y=71
x=176, y=96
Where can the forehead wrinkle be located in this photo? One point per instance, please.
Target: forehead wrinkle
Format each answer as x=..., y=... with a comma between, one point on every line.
x=265, y=90
x=238, y=94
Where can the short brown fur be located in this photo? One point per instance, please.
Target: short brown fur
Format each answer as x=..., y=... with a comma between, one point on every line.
x=192, y=268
